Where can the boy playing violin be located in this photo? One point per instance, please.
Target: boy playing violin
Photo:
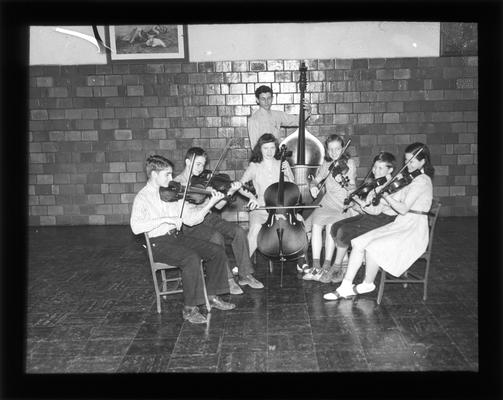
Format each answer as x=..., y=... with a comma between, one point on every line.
x=215, y=227
x=160, y=220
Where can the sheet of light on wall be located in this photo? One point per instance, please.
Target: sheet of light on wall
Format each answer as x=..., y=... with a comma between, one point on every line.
x=54, y=45
x=313, y=40
x=259, y=42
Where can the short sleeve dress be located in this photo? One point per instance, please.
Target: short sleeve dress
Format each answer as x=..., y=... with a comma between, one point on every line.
x=262, y=178
x=397, y=245
x=332, y=203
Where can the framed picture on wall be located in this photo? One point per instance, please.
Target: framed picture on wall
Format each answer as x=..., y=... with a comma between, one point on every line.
x=147, y=42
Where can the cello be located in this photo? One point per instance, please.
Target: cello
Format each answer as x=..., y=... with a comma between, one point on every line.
x=307, y=149
x=282, y=239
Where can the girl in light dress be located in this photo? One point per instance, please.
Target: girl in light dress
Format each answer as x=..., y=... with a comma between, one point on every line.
x=337, y=187
x=396, y=246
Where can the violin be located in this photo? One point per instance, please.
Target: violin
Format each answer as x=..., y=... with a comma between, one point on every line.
x=175, y=191
x=219, y=182
x=405, y=179
x=396, y=185
x=282, y=238
x=366, y=187
x=340, y=167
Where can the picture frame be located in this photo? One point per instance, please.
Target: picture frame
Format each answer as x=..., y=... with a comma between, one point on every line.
x=147, y=42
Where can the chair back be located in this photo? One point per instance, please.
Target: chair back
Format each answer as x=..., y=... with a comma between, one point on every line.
x=432, y=220
x=149, y=250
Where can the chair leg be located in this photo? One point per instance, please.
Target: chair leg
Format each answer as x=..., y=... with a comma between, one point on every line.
x=381, y=286
x=426, y=273
x=270, y=267
x=208, y=306
x=158, y=300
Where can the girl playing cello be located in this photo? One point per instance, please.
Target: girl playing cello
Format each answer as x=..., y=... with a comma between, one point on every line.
x=263, y=171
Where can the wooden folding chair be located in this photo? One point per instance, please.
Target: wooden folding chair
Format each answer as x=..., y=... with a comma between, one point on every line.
x=410, y=276
x=161, y=288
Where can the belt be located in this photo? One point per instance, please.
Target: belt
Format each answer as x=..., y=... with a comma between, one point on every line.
x=420, y=212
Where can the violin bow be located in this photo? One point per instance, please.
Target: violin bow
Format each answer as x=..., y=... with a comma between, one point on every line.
x=361, y=186
x=332, y=165
x=224, y=152
x=188, y=184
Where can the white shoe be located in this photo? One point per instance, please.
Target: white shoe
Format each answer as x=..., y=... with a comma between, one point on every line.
x=312, y=275
x=365, y=288
x=338, y=295
x=304, y=268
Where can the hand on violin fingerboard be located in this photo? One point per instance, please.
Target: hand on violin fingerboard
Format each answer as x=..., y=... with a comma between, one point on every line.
x=235, y=186
x=314, y=191
x=215, y=197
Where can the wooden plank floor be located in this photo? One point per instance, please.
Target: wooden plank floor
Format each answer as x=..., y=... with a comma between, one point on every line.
x=91, y=308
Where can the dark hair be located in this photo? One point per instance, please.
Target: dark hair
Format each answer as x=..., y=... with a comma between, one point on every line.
x=424, y=155
x=198, y=151
x=330, y=139
x=385, y=157
x=256, y=155
x=157, y=163
x=262, y=89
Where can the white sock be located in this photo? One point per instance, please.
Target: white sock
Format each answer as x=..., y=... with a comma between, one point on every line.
x=346, y=284
x=346, y=288
x=365, y=287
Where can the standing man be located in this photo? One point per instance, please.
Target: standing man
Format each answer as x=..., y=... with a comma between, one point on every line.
x=265, y=120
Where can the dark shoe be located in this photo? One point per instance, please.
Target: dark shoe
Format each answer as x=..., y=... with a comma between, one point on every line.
x=251, y=281
x=194, y=316
x=326, y=274
x=234, y=287
x=220, y=304
x=338, y=276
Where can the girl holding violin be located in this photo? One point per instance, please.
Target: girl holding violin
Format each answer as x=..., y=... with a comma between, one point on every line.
x=395, y=246
x=369, y=217
x=338, y=174
x=214, y=226
x=263, y=171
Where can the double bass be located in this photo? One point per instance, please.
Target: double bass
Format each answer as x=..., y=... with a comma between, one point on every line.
x=282, y=239
x=307, y=150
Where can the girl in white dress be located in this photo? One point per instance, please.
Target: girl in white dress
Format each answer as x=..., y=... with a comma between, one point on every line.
x=263, y=171
x=396, y=246
x=337, y=188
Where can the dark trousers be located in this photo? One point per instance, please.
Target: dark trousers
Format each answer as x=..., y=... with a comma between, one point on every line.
x=186, y=252
x=216, y=229
x=345, y=230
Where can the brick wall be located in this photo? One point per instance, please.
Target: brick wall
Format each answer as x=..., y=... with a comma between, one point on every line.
x=91, y=127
